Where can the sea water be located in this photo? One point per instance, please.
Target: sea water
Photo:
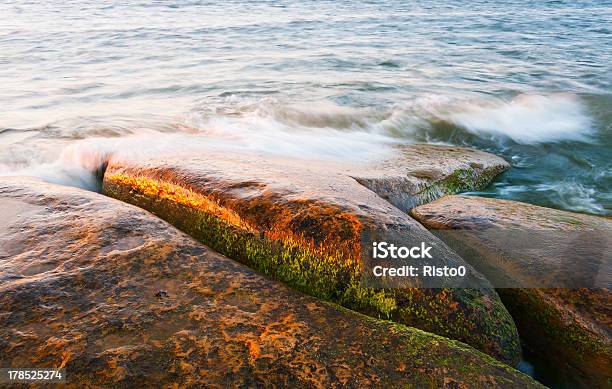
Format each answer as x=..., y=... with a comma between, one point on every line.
x=341, y=80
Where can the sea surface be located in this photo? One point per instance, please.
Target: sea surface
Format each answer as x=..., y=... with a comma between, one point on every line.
x=338, y=80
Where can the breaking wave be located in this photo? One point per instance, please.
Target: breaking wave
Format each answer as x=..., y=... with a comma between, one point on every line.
x=526, y=119
x=73, y=152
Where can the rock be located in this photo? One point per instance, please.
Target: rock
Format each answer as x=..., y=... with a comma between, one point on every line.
x=423, y=172
x=560, y=265
x=120, y=298
x=311, y=225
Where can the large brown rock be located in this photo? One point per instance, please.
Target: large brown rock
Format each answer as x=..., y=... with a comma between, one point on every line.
x=540, y=250
x=122, y=299
x=311, y=224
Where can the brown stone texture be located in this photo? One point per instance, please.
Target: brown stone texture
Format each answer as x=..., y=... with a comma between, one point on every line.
x=321, y=208
x=122, y=299
x=571, y=326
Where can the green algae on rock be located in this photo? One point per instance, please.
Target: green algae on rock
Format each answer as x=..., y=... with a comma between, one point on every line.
x=570, y=325
x=424, y=172
x=122, y=299
x=309, y=225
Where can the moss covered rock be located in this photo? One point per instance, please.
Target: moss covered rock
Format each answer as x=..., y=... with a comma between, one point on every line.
x=120, y=298
x=310, y=225
x=421, y=173
x=538, y=250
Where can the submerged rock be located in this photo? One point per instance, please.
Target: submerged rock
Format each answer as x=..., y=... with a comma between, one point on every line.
x=310, y=225
x=554, y=270
x=120, y=298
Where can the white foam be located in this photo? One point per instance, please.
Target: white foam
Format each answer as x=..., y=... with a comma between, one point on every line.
x=527, y=118
x=74, y=164
x=295, y=134
x=319, y=114
x=573, y=196
x=321, y=131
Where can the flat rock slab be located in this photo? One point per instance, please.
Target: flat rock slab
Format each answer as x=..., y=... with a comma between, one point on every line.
x=311, y=225
x=122, y=299
x=421, y=173
x=538, y=250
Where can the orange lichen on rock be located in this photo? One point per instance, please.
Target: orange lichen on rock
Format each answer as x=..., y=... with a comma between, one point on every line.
x=321, y=229
x=312, y=229
x=181, y=195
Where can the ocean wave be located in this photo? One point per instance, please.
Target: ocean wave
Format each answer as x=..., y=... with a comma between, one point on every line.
x=527, y=118
x=572, y=196
x=72, y=152
x=77, y=162
x=320, y=114
x=523, y=119
x=320, y=130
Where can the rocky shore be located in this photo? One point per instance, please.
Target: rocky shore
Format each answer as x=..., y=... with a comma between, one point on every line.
x=251, y=270
x=311, y=226
x=122, y=299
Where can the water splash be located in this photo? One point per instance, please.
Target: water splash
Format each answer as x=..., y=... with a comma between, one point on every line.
x=72, y=152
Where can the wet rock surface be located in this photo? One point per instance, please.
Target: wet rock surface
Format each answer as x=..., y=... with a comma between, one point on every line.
x=421, y=173
x=572, y=326
x=122, y=299
x=310, y=225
